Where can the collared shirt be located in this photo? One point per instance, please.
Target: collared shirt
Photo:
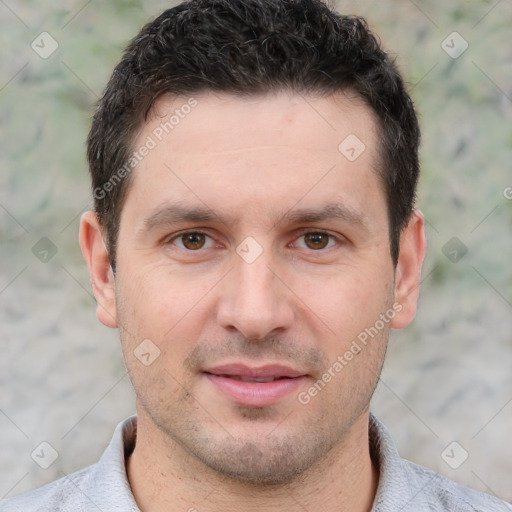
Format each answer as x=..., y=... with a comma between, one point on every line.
x=403, y=486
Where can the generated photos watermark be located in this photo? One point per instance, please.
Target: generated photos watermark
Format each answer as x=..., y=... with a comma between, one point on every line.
x=356, y=347
x=151, y=142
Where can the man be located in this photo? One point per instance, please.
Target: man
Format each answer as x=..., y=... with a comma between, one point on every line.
x=254, y=166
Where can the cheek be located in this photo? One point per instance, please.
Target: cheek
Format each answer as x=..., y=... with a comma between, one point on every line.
x=157, y=324
x=350, y=300
x=163, y=305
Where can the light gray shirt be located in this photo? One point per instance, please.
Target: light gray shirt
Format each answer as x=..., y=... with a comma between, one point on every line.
x=403, y=485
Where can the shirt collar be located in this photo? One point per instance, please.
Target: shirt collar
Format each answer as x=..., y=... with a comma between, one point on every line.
x=108, y=481
x=400, y=486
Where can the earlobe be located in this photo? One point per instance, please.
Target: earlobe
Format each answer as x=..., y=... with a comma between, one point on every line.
x=408, y=269
x=100, y=271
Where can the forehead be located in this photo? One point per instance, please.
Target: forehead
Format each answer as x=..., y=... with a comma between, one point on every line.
x=226, y=122
x=246, y=153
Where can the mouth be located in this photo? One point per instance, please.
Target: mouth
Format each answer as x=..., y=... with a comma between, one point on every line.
x=257, y=387
x=243, y=378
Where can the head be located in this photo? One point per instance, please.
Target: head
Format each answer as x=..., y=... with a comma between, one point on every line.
x=254, y=167
x=252, y=48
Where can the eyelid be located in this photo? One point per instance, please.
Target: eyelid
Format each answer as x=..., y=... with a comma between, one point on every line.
x=305, y=231
x=170, y=238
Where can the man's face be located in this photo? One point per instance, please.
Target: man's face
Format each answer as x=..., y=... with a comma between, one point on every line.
x=286, y=262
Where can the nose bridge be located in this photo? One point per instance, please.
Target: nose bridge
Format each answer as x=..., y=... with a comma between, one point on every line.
x=255, y=303
x=255, y=280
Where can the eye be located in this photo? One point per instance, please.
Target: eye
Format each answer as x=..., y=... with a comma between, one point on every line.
x=196, y=240
x=192, y=240
x=317, y=240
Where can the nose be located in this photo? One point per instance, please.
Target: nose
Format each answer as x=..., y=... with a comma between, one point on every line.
x=255, y=301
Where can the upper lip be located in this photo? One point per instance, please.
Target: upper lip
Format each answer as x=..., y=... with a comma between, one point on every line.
x=242, y=370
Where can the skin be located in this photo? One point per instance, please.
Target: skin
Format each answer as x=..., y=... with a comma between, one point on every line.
x=251, y=161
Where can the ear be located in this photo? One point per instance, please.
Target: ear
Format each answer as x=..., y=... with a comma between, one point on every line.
x=408, y=270
x=102, y=277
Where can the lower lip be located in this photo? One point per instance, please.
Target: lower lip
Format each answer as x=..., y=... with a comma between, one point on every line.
x=256, y=394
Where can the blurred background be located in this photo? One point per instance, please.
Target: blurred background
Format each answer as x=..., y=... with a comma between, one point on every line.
x=446, y=388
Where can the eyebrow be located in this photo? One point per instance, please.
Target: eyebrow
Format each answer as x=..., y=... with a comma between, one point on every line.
x=173, y=214
x=176, y=213
x=327, y=212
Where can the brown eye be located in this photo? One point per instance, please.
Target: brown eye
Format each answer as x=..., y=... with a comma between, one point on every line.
x=316, y=240
x=193, y=241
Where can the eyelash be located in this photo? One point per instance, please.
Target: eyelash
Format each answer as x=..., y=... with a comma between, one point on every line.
x=303, y=232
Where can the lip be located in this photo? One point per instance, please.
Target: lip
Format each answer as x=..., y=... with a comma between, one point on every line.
x=228, y=380
x=242, y=370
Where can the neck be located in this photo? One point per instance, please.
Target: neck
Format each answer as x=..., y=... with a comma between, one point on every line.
x=165, y=477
